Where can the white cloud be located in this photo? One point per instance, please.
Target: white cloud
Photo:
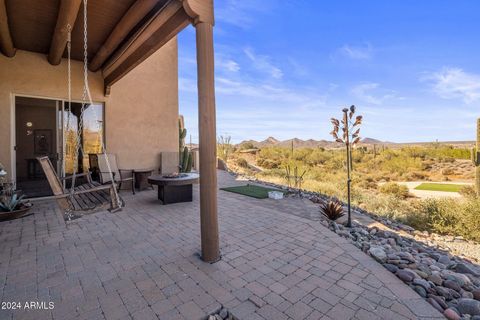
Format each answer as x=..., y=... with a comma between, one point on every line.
x=366, y=92
x=227, y=64
x=263, y=63
x=362, y=91
x=357, y=52
x=222, y=62
x=454, y=83
x=241, y=13
x=300, y=98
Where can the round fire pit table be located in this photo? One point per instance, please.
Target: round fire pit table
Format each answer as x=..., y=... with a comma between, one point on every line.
x=174, y=189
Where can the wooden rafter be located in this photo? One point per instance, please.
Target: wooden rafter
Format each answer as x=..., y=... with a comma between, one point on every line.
x=156, y=32
x=132, y=17
x=66, y=17
x=6, y=43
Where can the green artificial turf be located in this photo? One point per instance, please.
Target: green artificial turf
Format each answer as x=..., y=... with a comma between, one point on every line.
x=440, y=187
x=251, y=191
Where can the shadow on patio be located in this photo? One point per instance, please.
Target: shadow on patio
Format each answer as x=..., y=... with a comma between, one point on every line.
x=143, y=263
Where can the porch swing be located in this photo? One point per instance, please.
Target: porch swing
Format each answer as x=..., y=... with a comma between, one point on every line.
x=90, y=196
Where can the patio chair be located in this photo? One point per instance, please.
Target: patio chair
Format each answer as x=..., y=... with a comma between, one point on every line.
x=99, y=162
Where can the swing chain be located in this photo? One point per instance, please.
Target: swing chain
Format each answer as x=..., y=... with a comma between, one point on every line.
x=87, y=101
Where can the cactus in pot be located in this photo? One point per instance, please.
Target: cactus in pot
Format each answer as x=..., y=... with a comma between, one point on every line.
x=476, y=159
x=184, y=155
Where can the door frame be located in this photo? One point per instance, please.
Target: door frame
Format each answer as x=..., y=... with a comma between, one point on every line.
x=60, y=106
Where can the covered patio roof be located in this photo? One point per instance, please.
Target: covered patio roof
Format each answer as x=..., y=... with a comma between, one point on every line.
x=122, y=34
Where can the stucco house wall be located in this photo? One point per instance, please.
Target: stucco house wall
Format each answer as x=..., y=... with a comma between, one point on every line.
x=140, y=114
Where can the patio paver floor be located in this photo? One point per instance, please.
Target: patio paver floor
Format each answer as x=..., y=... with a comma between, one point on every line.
x=143, y=263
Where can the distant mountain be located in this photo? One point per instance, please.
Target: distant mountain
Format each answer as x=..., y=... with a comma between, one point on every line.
x=269, y=141
x=311, y=143
x=299, y=143
x=372, y=141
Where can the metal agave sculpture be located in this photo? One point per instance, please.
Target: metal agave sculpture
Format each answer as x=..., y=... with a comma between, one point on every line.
x=350, y=136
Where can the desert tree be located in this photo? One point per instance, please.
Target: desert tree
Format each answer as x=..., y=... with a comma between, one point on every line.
x=224, y=147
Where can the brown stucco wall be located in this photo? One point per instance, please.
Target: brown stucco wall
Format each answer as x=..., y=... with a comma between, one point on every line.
x=141, y=111
x=147, y=122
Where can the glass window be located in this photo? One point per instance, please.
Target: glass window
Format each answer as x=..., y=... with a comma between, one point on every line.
x=90, y=137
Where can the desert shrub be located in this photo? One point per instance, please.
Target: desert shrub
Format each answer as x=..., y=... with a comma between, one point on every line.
x=386, y=205
x=318, y=157
x=415, y=152
x=400, y=164
x=441, y=214
x=470, y=224
x=447, y=160
x=448, y=171
x=427, y=165
x=336, y=162
x=468, y=191
x=416, y=175
x=395, y=189
x=447, y=151
x=367, y=182
x=270, y=164
x=246, y=146
x=241, y=162
x=447, y=216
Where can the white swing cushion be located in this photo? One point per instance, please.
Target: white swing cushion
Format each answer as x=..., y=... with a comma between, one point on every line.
x=103, y=167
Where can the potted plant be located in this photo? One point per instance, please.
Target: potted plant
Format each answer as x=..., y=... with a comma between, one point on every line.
x=13, y=206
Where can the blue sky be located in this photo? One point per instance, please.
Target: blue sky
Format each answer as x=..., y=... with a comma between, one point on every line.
x=285, y=67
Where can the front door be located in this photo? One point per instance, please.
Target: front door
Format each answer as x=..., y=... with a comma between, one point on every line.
x=37, y=134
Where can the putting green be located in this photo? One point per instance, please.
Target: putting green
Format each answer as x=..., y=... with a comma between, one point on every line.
x=249, y=190
x=445, y=187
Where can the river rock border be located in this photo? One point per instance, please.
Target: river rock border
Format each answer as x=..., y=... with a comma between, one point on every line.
x=449, y=283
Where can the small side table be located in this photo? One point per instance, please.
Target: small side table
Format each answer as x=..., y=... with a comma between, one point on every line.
x=141, y=178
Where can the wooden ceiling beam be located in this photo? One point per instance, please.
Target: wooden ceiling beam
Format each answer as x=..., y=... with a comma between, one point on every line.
x=156, y=32
x=67, y=15
x=132, y=17
x=6, y=43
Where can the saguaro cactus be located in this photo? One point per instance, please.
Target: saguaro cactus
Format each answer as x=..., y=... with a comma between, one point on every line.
x=184, y=155
x=476, y=159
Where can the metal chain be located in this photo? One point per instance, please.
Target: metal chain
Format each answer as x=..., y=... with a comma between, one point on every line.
x=84, y=96
x=87, y=101
x=69, y=72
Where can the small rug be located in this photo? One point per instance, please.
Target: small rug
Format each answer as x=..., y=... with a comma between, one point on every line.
x=253, y=191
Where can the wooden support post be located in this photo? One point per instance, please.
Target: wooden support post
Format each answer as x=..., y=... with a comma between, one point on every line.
x=66, y=17
x=208, y=142
x=6, y=43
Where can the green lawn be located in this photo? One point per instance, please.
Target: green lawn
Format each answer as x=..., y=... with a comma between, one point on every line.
x=251, y=191
x=440, y=187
